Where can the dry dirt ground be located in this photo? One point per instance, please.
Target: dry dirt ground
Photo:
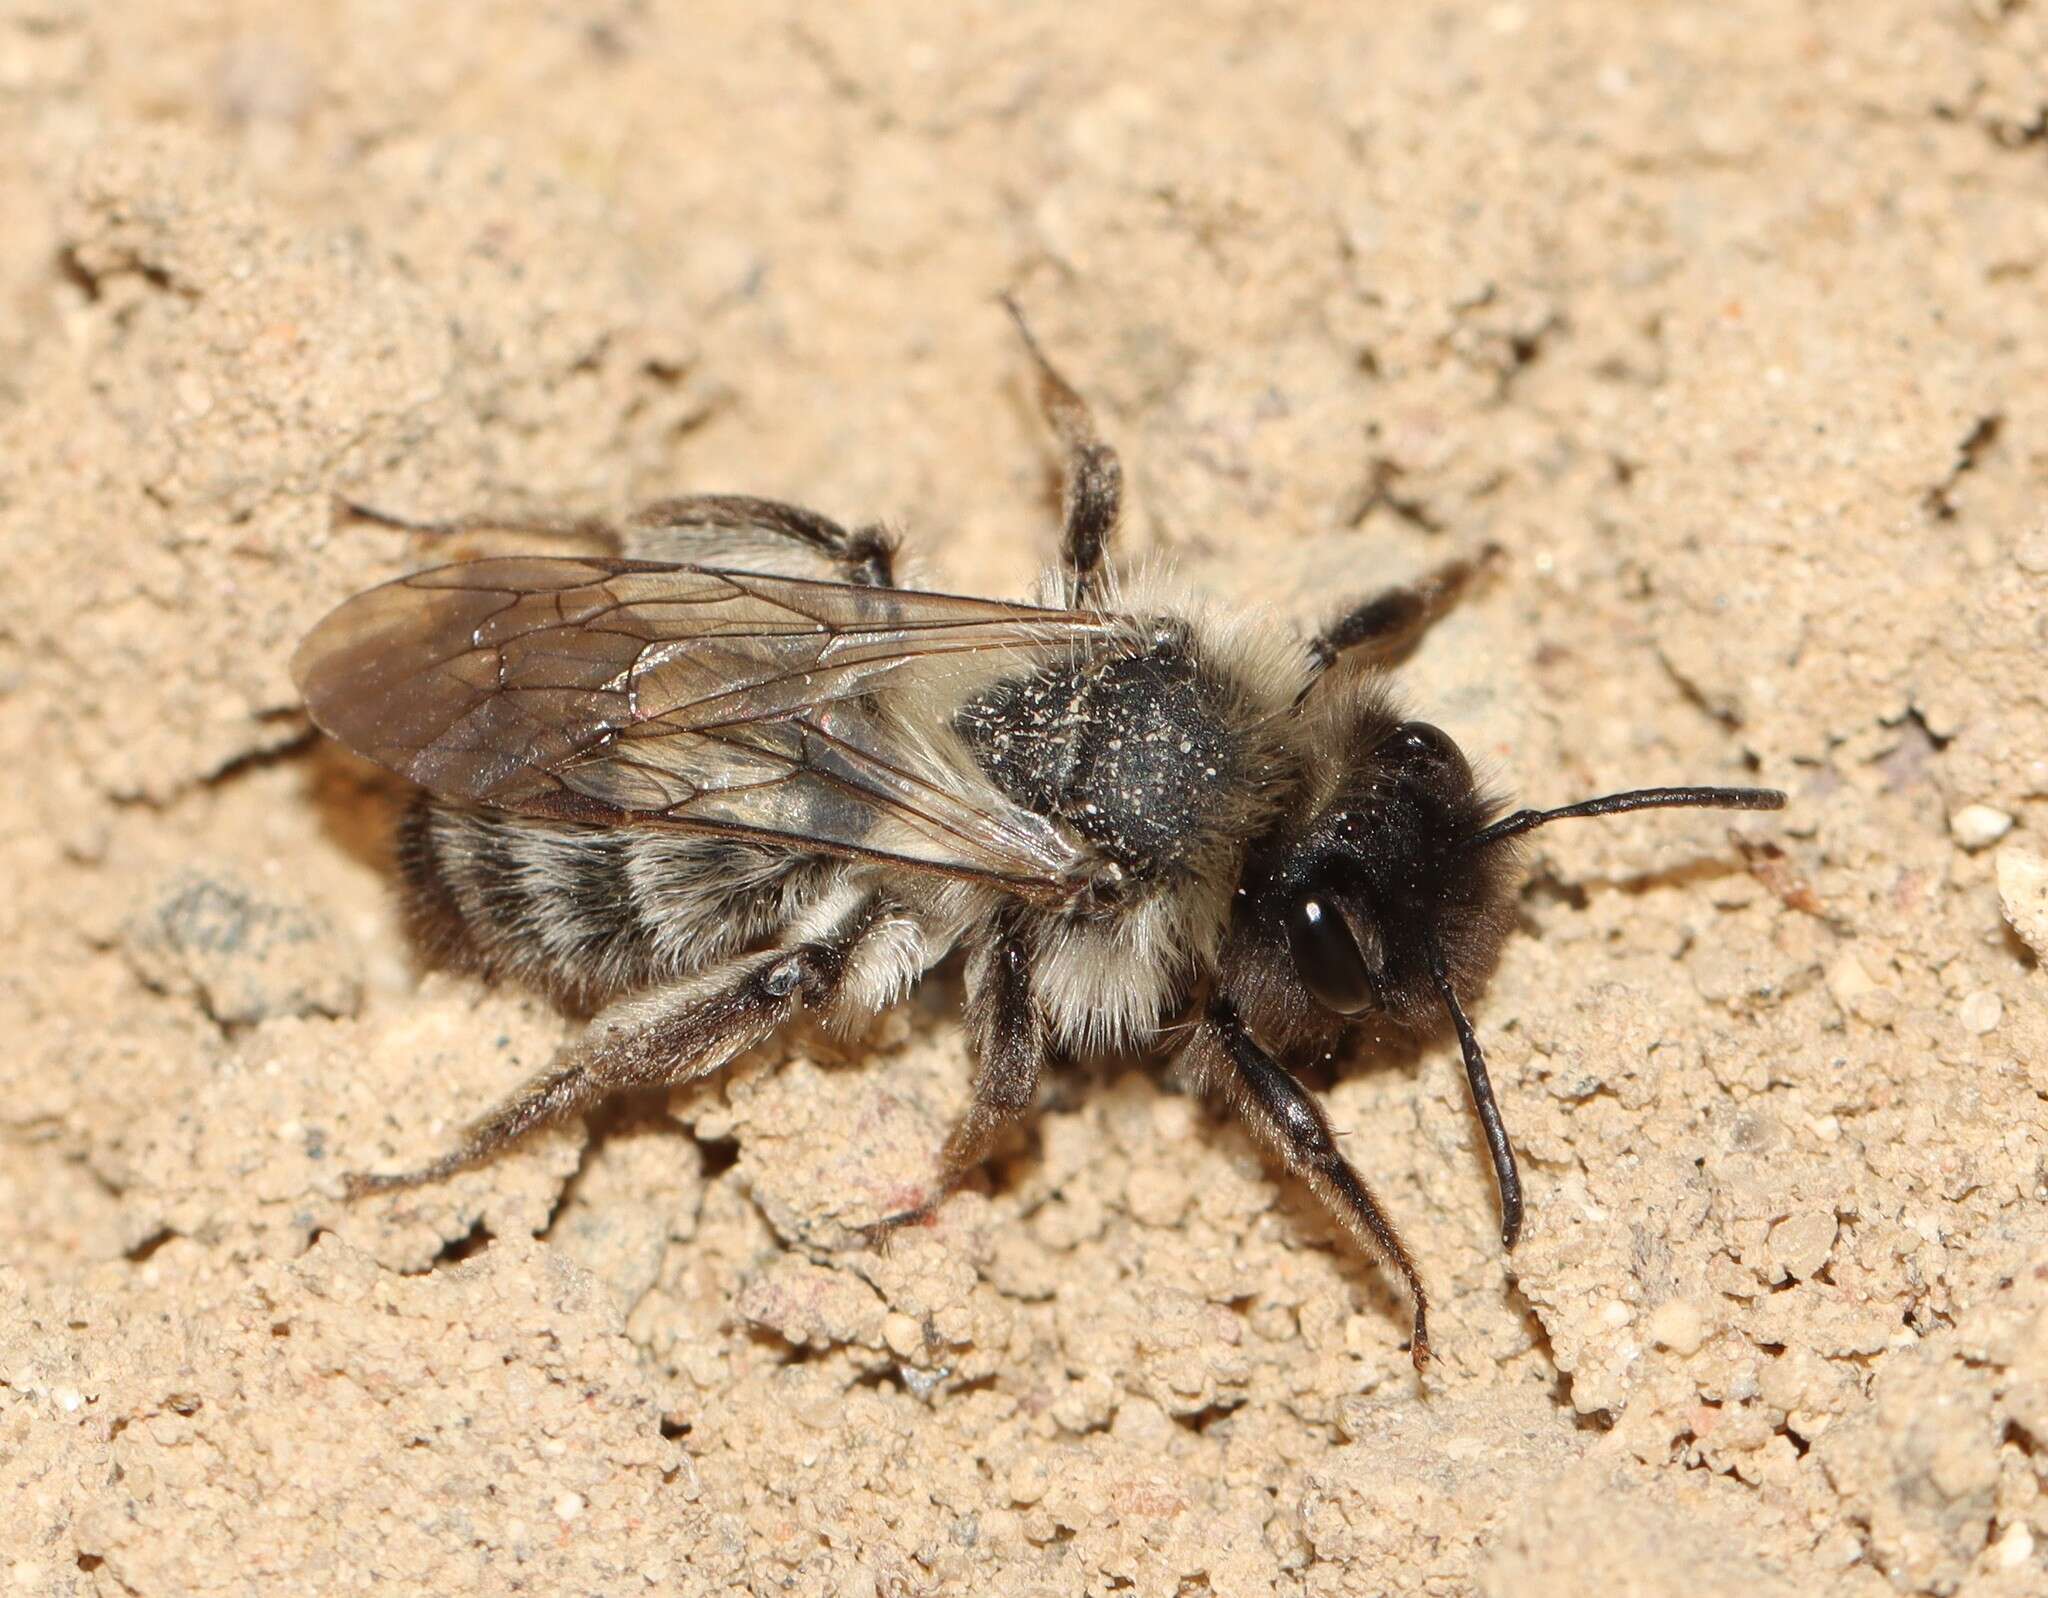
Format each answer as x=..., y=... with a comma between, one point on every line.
x=1727, y=322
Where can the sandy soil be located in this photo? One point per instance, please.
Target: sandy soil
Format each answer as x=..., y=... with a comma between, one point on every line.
x=1726, y=321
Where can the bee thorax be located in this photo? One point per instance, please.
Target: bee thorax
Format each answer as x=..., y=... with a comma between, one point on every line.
x=1133, y=751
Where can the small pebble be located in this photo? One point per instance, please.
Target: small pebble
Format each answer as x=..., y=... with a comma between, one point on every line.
x=1676, y=1324
x=1856, y=993
x=1029, y=1480
x=1801, y=1242
x=1847, y=981
x=2023, y=895
x=1980, y=1012
x=193, y=393
x=903, y=1334
x=1979, y=826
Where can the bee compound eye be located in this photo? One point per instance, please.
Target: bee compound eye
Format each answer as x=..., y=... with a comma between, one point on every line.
x=1327, y=957
x=1418, y=741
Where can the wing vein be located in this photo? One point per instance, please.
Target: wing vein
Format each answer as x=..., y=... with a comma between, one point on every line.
x=742, y=703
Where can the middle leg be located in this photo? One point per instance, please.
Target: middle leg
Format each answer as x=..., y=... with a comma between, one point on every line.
x=1010, y=1049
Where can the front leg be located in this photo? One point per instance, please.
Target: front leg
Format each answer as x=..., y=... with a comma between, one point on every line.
x=1385, y=627
x=1094, y=477
x=1286, y=1118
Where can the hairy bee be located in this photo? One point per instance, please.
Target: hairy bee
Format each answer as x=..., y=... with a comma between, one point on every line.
x=697, y=797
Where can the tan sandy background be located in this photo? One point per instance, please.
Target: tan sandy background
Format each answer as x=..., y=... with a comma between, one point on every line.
x=1728, y=322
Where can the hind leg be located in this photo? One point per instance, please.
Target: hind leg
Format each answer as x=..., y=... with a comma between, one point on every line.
x=689, y=1029
x=763, y=535
x=732, y=530
x=569, y=526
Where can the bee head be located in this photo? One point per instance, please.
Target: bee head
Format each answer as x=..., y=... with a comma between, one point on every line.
x=1385, y=892
x=1394, y=895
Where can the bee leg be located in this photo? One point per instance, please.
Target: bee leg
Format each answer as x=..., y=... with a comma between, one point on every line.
x=677, y=1034
x=1093, y=496
x=1286, y=1118
x=1011, y=1049
x=1388, y=626
x=697, y=529
x=569, y=526
x=759, y=535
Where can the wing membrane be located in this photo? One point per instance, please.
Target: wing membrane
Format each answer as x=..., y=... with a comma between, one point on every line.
x=635, y=691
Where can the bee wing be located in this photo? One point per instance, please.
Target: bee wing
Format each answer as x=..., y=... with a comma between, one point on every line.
x=625, y=691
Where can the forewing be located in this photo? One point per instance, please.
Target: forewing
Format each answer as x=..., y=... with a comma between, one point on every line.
x=633, y=691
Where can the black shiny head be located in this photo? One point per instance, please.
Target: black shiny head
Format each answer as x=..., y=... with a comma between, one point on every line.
x=1394, y=895
x=1409, y=859
x=1367, y=886
x=1384, y=874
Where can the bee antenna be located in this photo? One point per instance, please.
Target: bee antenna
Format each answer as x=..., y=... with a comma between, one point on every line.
x=1614, y=804
x=1505, y=1175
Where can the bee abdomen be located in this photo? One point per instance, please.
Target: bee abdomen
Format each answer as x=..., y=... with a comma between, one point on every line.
x=587, y=913
x=431, y=905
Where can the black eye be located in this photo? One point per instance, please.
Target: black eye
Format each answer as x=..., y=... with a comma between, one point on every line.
x=1418, y=741
x=1327, y=957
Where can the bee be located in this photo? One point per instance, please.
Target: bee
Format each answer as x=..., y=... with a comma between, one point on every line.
x=693, y=797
